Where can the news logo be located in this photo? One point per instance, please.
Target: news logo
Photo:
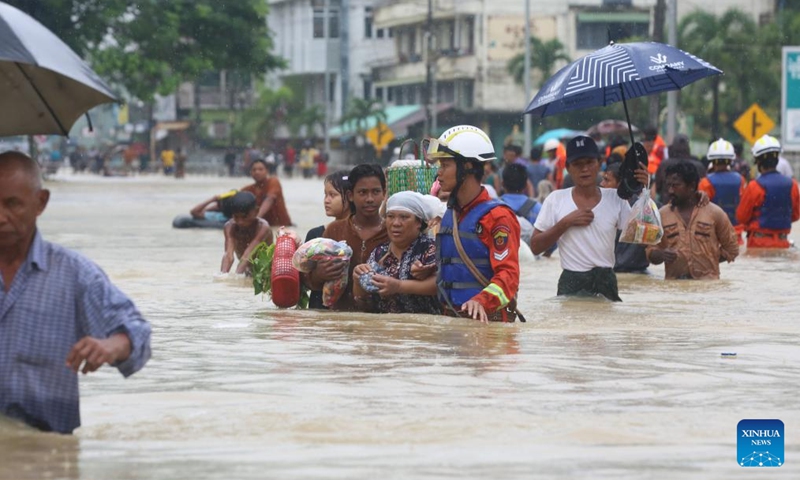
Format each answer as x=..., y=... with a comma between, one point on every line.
x=760, y=443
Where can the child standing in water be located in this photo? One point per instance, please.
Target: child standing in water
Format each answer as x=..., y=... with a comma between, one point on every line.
x=336, y=207
x=243, y=232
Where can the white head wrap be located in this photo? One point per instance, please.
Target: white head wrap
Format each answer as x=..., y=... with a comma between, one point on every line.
x=424, y=207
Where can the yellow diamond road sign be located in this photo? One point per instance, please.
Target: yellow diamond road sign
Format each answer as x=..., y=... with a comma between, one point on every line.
x=754, y=123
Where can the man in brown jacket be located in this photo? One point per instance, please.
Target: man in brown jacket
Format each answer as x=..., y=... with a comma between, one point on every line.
x=698, y=235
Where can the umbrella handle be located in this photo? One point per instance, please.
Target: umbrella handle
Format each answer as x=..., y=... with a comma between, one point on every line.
x=627, y=117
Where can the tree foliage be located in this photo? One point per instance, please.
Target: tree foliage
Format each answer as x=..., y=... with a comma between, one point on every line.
x=544, y=57
x=151, y=46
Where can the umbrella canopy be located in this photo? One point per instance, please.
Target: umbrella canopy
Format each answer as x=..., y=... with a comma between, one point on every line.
x=558, y=134
x=618, y=72
x=44, y=86
x=610, y=127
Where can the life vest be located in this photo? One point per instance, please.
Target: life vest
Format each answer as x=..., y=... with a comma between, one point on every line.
x=455, y=282
x=727, y=186
x=776, y=212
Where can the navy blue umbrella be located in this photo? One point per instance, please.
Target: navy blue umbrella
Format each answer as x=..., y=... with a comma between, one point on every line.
x=618, y=72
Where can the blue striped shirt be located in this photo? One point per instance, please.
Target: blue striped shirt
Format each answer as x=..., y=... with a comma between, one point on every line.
x=56, y=298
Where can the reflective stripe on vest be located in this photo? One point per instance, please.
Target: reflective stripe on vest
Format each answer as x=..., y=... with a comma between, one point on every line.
x=726, y=192
x=456, y=283
x=776, y=212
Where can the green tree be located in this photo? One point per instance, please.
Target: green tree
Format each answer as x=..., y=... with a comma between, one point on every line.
x=258, y=123
x=359, y=112
x=308, y=118
x=729, y=43
x=544, y=56
x=159, y=44
x=81, y=24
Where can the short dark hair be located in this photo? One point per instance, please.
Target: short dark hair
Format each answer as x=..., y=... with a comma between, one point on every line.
x=242, y=202
x=514, y=178
x=536, y=153
x=339, y=180
x=613, y=168
x=258, y=160
x=686, y=171
x=362, y=171
x=650, y=132
x=614, y=159
x=768, y=160
x=680, y=147
x=365, y=170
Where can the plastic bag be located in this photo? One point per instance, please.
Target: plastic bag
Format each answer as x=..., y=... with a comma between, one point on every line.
x=306, y=257
x=644, y=223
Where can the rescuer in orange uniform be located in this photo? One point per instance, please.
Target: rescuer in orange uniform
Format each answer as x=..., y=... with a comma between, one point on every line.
x=723, y=186
x=481, y=278
x=770, y=203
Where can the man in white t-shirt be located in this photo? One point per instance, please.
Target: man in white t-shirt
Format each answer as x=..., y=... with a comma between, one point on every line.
x=584, y=221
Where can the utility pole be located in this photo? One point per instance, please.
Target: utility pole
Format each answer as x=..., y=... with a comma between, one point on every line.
x=327, y=87
x=344, y=52
x=426, y=94
x=527, y=118
x=658, y=36
x=672, y=96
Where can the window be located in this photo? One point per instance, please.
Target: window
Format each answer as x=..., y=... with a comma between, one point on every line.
x=594, y=28
x=379, y=33
x=332, y=90
x=333, y=22
x=379, y=93
x=390, y=94
x=367, y=89
x=368, y=18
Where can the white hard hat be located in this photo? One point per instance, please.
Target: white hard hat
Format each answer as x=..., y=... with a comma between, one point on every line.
x=551, y=144
x=721, y=150
x=766, y=144
x=464, y=141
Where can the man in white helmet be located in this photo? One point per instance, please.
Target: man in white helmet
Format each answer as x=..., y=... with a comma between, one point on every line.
x=477, y=245
x=771, y=202
x=723, y=186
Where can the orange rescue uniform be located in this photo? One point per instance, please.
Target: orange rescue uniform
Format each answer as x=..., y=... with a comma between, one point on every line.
x=500, y=233
x=747, y=214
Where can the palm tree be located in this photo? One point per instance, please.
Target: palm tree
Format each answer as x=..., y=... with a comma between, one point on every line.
x=260, y=121
x=360, y=111
x=544, y=56
x=309, y=118
x=727, y=42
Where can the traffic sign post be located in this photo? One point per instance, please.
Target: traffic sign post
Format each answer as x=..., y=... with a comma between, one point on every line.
x=753, y=124
x=790, y=99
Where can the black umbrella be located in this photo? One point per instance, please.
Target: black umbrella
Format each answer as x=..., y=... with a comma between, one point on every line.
x=44, y=86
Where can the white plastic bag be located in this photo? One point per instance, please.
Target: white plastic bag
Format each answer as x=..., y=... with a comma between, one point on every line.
x=644, y=223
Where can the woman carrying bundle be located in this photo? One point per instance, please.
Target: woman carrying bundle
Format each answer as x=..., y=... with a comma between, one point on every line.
x=385, y=283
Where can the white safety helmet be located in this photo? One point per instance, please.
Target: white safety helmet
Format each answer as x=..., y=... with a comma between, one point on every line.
x=551, y=144
x=721, y=150
x=766, y=144
x=462, y=141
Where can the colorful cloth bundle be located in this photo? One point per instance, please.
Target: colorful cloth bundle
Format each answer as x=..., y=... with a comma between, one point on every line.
x=306, y=257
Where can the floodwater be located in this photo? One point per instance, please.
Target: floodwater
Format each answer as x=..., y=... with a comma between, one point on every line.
x=237, y=389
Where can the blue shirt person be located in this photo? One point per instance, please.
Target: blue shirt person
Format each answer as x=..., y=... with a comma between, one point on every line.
x=59, y=313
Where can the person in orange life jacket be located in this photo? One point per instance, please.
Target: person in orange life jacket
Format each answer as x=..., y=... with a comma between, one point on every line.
x=557, y=158
x=656, y=149
x=723, y=186
x=771, y=202
x=488, y=230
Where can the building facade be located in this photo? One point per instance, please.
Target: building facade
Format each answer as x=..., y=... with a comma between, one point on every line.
x=353, y=44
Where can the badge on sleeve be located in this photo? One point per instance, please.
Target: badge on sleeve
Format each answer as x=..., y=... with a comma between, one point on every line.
x=500, y=240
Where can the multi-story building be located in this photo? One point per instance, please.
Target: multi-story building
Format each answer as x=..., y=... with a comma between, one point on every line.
x=473, y=41
x=353, y=44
